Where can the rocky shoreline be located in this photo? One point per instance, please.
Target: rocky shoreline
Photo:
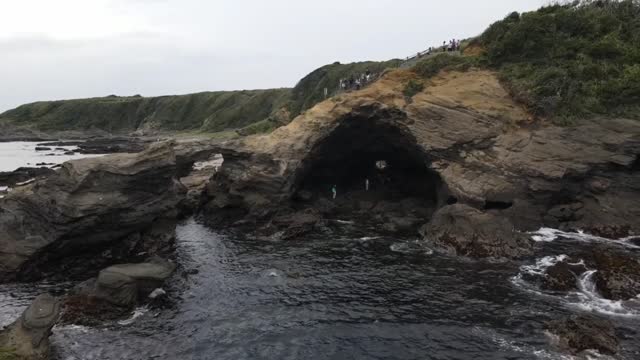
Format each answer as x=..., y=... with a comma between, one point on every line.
x=467, y=178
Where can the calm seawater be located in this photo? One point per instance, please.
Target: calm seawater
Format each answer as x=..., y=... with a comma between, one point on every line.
x=346, y=294
x=23, y=154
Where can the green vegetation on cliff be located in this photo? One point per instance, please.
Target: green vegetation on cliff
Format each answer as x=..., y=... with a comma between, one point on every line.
x=564, y=61
x=571, y=60
x=249, y=111
x=209, y=111
x=310, y=90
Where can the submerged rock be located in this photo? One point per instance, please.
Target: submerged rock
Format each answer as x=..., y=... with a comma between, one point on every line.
x=90, y=213
x=578, y=333
x=465, y=231
x=28, y=337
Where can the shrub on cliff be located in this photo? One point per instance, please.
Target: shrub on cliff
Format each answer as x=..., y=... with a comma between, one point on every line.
x=433, y=65
x=570, y=60
x=412, y=88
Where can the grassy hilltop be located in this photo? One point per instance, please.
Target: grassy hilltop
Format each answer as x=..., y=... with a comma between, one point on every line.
x=249, y=110
x=564, y=62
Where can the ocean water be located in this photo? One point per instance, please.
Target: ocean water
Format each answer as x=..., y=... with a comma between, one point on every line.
x=346, y=294
x=338, y=296
x=19, y=154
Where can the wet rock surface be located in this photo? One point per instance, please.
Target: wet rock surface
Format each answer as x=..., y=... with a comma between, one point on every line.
x=578, y=333
x=116, y=290
x=563, y=276
x=618, y=274
x=28, y=337
x=465, y=231
x=23, y=174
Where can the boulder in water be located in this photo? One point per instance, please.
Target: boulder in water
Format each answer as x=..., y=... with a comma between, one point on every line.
x=115, y=291
x=123, y=285
x=562, y=276
x=28, y=337
x=578, y=333
x=618, y=275
x=462, y=230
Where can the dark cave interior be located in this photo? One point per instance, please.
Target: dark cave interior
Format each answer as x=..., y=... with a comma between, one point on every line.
x=362, y=150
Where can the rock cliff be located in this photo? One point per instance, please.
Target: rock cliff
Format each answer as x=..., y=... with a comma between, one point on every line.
x=460, y=140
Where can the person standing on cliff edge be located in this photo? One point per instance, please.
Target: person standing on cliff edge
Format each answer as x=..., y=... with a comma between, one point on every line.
x=334, y=191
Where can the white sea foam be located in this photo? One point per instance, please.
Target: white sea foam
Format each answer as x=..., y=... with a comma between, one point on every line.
x=20, y=153
x=586, y=298
x=136, y=314
x=411, y=247
x=549, y=235
x=590, y=300
x=369, y=238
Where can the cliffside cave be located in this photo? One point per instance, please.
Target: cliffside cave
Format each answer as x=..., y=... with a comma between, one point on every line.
x=377, y=170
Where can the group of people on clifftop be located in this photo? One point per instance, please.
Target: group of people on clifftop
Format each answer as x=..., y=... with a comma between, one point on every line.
x=452, y=45
x=356, y=82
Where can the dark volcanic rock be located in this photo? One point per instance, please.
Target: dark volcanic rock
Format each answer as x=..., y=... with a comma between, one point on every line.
x=580, y=332
x=43, y=148
x=462, y=230
x=562, y=276
x=618, y=275
x=101, y=145
x=20, y=175
x=28, y=337
x=87, y=207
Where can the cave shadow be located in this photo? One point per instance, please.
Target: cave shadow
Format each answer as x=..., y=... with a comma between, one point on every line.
x=381, y=153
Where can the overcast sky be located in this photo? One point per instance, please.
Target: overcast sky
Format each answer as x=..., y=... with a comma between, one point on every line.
x=60, y=49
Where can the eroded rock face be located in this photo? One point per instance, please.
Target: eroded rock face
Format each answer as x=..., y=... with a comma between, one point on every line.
x=462, y=230
x=28, y=337
x=464, y=135
x=581, y=332
x=88, y=207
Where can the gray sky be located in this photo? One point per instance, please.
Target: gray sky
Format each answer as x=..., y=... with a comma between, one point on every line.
x=65, y=49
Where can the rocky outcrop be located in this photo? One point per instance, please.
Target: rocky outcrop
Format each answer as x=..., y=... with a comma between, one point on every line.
x=115, y=291
x=561, y=276
x=116, y=206
x=618, y=274
x=578, y=333
x=465, y=231
x=108, y=145
x=23, y=174
x=467, y=141
x=28, y=337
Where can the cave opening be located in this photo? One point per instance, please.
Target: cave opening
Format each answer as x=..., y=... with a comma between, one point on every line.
x=373, y=161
